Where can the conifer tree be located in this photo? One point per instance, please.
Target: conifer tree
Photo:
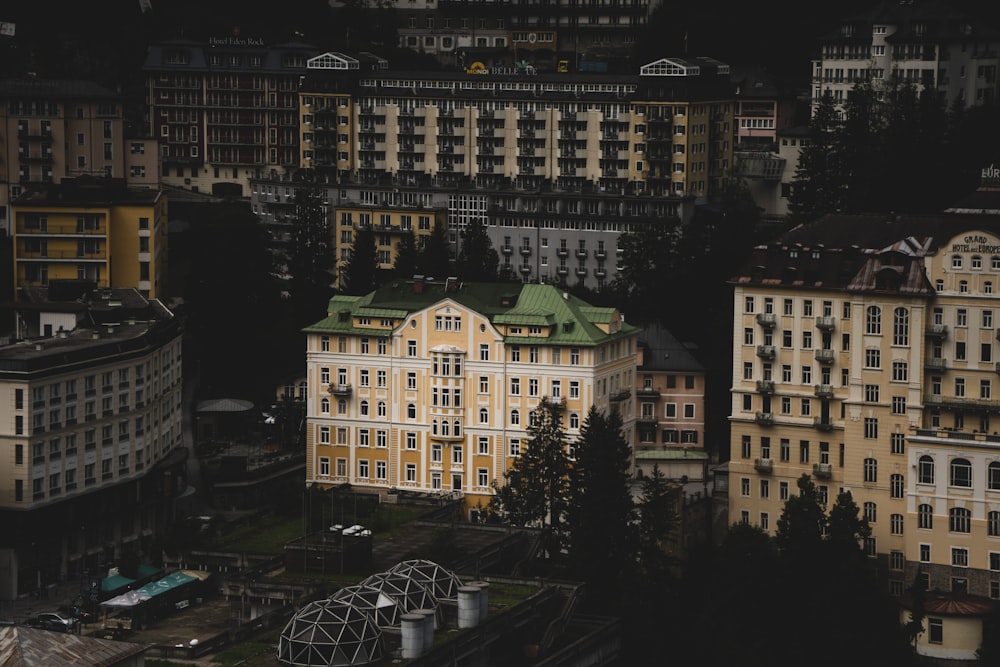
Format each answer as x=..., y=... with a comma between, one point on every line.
x=820, y=179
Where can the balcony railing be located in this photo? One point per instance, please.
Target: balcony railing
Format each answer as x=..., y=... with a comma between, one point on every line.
x=764, y=418
x=765, y=351
x=765, y=386
x=823, y=423
x=825, y=322
x=766, y=320
x=823, y=470
x=763, y=465
x=824, y=356
x=620, y=395
x=341, y=389
x=823, y=390
x=937, y=330
x=936, y=363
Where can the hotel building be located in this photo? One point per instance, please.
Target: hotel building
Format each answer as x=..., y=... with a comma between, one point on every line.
x=90, y=431
x=429, y=386
x=871, y=367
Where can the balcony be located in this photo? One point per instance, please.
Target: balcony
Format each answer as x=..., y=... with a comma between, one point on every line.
x=525, y=268
x=341, y=389
x=562, y=252
x=507, y=249
x=620, y=395
x=581, y=253
x=936, y=364
x=764, y=418
x=766, y=320
x=824, y=356
x=648, y=391
x=600, y=274
x=646, y=420
x=525, y=251
x=763, y=465
x=823, y=470
x=822, y=423
x=825, y=322
x=939, y=331
x=563, y=270
x=581, y=272
x=765, y=386
x=823, y=390
x=765, y=351
x=600, y=254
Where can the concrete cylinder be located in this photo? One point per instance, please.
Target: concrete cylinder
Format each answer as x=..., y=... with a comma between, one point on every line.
x=468, y=607
x=430, y=624
x=412, y=626
x=484, y=598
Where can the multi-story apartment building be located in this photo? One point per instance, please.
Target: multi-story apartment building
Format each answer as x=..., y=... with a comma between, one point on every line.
x=224, y=111
x=429, y=386
x=90, y=431
x=96, y=229
x=667, y=131
x=871, y=367
x=920, y=43
x=52, y=129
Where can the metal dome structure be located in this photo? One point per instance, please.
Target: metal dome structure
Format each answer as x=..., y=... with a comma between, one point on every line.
x=441, y=581
x=330, y=632
x=410, y=594
x=385, y=609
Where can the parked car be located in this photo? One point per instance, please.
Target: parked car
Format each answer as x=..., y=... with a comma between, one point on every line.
x=53, y=620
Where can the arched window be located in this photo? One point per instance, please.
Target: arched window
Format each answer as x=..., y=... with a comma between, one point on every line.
x=341, y=407
x=873, y=320
x=458, y=428
x=956, y=261
x=901, y=326
x=993, y=477
x=977, y=262
x=574, y=420
x=434, y=427
x=925, y=470
x=515, y=418
x=960, y=473
x=925, y=516
x=871, y=512
x=444, y=427
x=364, y=407
x=411, y=411
x=959, y=520
x=324, y=406
x=484, y=416
x=993, y=523
x=381, y=409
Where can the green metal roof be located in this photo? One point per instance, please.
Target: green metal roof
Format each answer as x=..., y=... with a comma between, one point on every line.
x=572, y=319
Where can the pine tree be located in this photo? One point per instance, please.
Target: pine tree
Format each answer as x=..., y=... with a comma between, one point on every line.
x=477, y=260
x=405, y=264
x=311, y=255
x=657, y=526
x=820, y=179
x=802, y=522
x=361, y=271
x=536, y=486
x=435, y=256
x=601, y=513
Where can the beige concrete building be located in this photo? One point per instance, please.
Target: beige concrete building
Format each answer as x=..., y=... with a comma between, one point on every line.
x=90, y=430
x=429, y=387
x=871, y=368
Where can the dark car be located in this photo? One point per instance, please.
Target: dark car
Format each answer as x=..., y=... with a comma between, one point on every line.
x=53, y=620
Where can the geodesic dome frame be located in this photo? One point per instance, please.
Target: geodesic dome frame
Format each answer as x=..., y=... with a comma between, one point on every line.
x=410, y=594
x=383, y=607
x=328, y=633
x=442, y=582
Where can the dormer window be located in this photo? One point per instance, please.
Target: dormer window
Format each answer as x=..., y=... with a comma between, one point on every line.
x=847, y=30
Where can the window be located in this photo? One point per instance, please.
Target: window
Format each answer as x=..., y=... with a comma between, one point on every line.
x=993, y=476
x=745, y=487
x=925, y=553
x=784, y=451
x=900, y=326
x=803, y=451
x=900, y=371
x=324, y=466
x=411, y=440
x=873, y=320
x=959, y=557
x=484, y=352
x=324, y=435
x=897, y=441
x=871, y=393
x=765, y=488
x=959, y=520
x=870, y=512
x=960, y=473
x=896, y=486
x=871, y=470
x=873, y=358
x=925, y=470
x=782, y=491
x=363, y=469
x=484, y=446
x=436, y=455
x=515, y=447
x=899, y=405
x=896, y=524
x=871, y=427
x=411, y=472
x=515, y=418
x=993, y=523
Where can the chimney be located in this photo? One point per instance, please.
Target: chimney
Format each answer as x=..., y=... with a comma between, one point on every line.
x=418, y=284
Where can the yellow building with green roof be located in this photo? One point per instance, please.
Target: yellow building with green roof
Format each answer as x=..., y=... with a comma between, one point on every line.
x=428, y=386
